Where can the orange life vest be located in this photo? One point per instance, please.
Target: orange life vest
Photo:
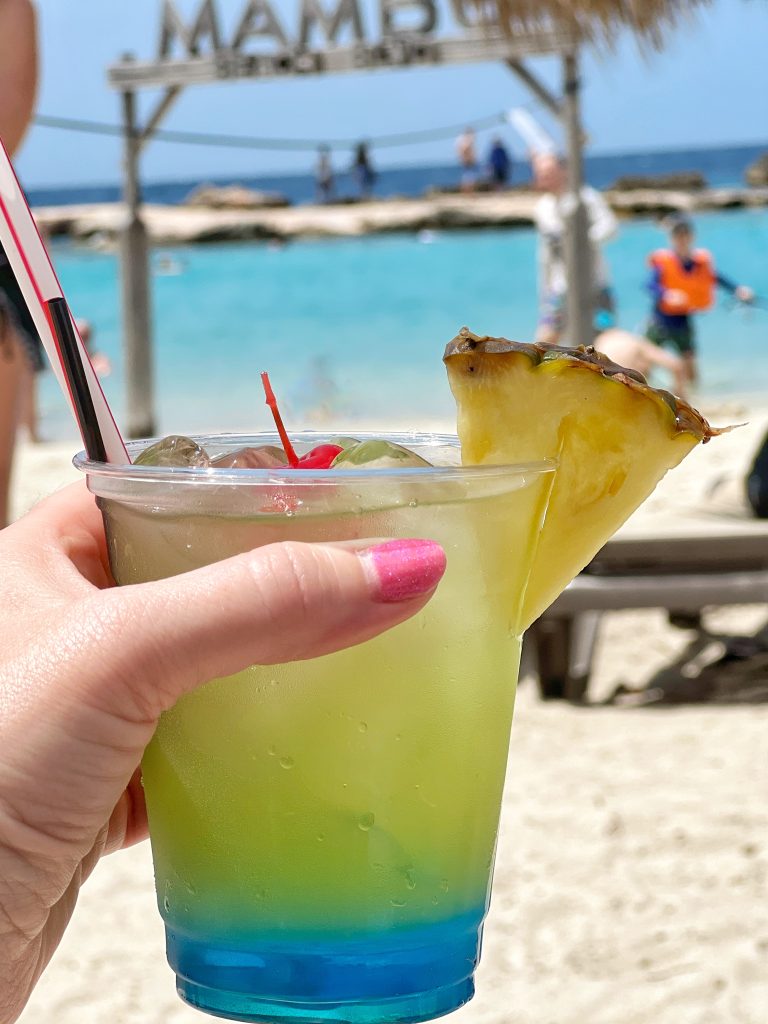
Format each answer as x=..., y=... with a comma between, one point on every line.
x=698, y=283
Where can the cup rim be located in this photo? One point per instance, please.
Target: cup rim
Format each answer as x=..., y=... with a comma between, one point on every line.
x=212, y=476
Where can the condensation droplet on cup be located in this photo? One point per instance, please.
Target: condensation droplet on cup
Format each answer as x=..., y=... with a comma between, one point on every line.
x=287, y=763
x=397, y=903
x=444, y=884
x=410, y=878
x=365, y=821
x=272, y=751
x=363, y=727
x=320, y=837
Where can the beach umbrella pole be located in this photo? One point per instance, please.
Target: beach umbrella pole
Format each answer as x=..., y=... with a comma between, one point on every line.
x=137, y=314
x=578, y=252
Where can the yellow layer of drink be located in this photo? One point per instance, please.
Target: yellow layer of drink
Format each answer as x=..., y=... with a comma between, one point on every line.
x=358, y=791
x=323, y=831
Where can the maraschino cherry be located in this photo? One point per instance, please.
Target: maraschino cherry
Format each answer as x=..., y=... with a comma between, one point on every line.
x=320, y=457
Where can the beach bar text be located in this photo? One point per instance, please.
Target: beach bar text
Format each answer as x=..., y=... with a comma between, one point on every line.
x=260, y=37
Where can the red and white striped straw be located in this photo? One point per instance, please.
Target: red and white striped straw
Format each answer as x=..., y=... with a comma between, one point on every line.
x=39, y=285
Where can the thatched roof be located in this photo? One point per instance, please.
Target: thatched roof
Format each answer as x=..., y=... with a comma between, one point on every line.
x=596, y=20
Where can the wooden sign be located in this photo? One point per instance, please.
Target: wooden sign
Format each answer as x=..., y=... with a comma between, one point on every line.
x=329, y=36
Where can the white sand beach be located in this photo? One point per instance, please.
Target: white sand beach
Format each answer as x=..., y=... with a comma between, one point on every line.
x=632, y=871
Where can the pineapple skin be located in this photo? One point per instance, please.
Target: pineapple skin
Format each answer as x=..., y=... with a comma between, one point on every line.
x=614, y=438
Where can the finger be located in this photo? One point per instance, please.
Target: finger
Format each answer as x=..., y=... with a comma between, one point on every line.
x=71, y=504
x=128, y=821
x=68, y=521
x=283, y=602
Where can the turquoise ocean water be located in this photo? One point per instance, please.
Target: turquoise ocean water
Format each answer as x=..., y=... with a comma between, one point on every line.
x=354, y=330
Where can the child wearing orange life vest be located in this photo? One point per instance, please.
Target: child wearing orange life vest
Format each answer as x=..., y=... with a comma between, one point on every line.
x=683, y=282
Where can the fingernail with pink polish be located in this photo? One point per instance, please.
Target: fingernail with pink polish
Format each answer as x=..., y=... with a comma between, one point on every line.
x=406, y=568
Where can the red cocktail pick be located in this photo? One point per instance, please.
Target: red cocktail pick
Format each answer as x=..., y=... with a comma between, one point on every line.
x=320, y=457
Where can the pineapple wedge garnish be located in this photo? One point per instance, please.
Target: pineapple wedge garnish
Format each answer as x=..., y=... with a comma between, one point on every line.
x=613, y=435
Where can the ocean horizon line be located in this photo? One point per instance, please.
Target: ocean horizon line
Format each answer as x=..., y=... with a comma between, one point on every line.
x=291, y=175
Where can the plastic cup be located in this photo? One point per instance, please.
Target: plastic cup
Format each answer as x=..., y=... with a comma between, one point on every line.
x=323, y=832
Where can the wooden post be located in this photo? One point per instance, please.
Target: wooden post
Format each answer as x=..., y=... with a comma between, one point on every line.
x=578, y=251
x=536, y=86
x=134, y=267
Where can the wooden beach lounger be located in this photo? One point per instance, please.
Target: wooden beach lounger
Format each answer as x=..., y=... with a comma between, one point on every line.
x=695, y=562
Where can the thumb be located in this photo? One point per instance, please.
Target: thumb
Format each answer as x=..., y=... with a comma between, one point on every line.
x=282, y=602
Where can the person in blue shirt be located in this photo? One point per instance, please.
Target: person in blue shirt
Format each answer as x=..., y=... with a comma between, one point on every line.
x=683, y=282
x=499, y=164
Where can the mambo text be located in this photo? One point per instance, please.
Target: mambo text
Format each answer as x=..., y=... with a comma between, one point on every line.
x=403, y=25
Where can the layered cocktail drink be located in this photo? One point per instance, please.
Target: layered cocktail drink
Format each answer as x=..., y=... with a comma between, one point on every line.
x=323, y=832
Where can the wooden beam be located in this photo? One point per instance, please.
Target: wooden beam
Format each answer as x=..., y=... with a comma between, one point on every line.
x=158, y=114
x=540, y=91
x=679, y=591
x=414, y=51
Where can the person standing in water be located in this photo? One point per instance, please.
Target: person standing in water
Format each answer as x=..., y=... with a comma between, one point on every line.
x=637, y=353
x=499, y=164
x=324, y=175
x=362, y=170
x=466, y=150
x=683, y=282
x=550, y=216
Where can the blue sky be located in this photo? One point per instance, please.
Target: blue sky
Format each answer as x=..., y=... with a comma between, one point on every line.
x=708, y=87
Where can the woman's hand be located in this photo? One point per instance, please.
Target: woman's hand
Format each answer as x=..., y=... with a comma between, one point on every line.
x=86, y=669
